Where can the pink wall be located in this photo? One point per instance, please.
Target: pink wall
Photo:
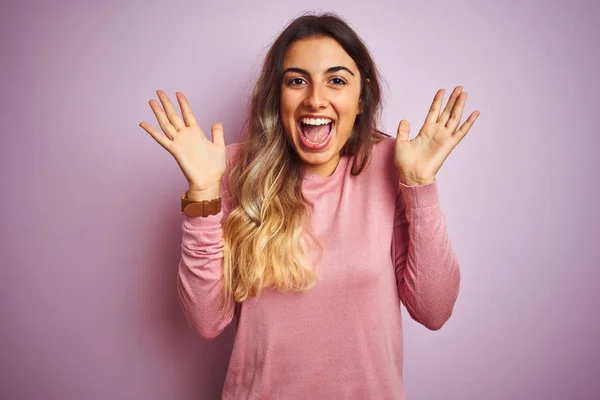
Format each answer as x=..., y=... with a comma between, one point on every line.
x=90, y=221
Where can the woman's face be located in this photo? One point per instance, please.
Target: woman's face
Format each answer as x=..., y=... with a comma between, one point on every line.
x=320, y=98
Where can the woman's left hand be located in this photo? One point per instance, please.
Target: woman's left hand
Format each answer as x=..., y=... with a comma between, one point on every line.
x=419, y=159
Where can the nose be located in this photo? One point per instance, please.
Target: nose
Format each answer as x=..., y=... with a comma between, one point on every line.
x=316, y=97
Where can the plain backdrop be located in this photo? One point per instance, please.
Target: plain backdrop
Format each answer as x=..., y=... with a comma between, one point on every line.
x=90, y=223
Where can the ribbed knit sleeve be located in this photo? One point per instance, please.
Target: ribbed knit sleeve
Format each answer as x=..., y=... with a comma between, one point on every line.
x=200, y=273
x=427, y=270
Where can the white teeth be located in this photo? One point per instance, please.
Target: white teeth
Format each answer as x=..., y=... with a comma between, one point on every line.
x=315, y=121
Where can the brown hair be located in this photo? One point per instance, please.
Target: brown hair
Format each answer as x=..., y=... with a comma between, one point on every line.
x=265, y=241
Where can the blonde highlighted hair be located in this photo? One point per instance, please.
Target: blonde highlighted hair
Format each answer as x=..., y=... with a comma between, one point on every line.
x=267, y=234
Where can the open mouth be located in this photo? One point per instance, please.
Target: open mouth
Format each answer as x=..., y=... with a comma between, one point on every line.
x=315, y=134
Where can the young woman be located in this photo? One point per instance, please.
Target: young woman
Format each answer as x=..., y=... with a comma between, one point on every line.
x=313, y=229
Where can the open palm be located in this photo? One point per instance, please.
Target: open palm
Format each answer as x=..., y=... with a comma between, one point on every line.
x=419, y=159
x=202, y=161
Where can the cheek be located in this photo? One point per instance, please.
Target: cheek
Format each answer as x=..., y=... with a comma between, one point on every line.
x=347, y=109
x=347, y=116
x=348, y=104
x=288, y=99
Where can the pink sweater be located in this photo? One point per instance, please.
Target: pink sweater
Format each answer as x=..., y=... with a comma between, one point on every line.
x=384, y=242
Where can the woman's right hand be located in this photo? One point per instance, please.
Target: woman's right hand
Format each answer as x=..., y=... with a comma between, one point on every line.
x=201, y=161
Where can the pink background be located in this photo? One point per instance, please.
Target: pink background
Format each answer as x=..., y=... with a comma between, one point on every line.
x=90, y=218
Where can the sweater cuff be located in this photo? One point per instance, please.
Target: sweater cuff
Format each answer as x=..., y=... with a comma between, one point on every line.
x=212, y=221
x=202, y=234
x=420, y=196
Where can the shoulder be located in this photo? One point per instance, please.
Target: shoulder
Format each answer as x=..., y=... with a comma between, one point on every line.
x=382, y=156
x=385, y=147
x=381, y=174
x=232, y=151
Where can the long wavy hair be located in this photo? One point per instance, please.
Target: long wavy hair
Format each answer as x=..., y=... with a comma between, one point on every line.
x=267, y=233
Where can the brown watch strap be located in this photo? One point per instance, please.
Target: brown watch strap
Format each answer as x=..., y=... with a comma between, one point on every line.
x=200, y=208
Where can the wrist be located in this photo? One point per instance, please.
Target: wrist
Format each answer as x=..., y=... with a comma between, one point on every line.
x=413, y=181
x=198, y=207
x=210, y=193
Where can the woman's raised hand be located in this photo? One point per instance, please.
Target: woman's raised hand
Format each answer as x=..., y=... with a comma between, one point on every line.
x=419, y=159
x=201, y=161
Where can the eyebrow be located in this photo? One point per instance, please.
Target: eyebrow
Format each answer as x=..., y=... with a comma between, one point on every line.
x=329, y=70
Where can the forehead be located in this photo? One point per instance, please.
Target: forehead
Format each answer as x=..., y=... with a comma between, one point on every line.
x=317, y=54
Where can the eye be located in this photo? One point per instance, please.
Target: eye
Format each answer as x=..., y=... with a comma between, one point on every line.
x=296, y=81
x=338, y=81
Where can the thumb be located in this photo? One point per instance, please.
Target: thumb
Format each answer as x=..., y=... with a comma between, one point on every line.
x=403, y=131
x=216, y=131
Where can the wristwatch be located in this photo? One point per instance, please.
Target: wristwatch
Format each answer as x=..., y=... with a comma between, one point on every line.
x=200, y=208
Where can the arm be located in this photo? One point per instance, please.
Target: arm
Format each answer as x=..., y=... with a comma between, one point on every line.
x=199, y=279
x=427, y=271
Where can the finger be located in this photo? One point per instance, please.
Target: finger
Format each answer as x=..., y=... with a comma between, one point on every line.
x=436, y=105
x=457, y=112
x=170, y=110
x=162, y=119
x=403, y=130
x=218, y=135
x=186, y=110
x=451, y=101
x=160, y=138
x=466, y=126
